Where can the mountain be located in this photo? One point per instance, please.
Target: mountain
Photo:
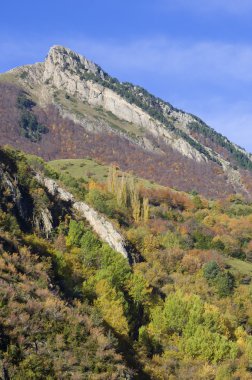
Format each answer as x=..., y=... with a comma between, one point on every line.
x=107, y=273
x=68, y=107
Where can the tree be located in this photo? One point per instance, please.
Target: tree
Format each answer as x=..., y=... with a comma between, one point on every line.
x=75, y=233
x=208, y=346
x=225, y=283
x=110, y=305
x=211, y=270
x=139, y=288
x=146, y=210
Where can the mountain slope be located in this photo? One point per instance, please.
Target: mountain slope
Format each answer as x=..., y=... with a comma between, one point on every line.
x=81, y=111
x=73, y=308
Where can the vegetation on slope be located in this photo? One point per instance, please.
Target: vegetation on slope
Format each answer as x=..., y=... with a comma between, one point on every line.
x=65, y=139
x=71, y=307
x=88, y=169
x=240, y=157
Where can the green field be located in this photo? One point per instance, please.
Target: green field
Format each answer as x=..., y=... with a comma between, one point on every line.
x=240, y=266
x=81, y=168
x=89, y=169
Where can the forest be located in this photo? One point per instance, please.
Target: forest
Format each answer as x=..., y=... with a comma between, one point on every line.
x=73, y=308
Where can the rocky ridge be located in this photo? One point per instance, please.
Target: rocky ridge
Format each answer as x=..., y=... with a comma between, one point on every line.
x=64, y=70
x=83, y=93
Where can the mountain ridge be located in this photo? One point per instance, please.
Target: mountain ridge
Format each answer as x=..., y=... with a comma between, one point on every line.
x=70, y=82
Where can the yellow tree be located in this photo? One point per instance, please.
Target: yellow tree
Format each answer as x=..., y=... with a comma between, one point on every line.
x=111, y=307
x=112, y=179
x=122, y=193
x=145, y=210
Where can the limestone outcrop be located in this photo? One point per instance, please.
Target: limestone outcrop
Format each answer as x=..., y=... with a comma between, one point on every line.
x=64, y=70
x=104, y=229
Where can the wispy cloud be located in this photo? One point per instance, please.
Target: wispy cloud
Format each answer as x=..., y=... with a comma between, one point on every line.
x=200, y=60
x=158, y=56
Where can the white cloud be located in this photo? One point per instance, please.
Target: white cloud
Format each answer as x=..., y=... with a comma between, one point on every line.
x=200, y=60
x=204, y=61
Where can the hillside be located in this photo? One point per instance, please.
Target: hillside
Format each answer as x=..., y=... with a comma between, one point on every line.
x=72, y=307
x=68, y=108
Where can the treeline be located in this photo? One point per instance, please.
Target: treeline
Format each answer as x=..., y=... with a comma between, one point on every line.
x=240, y=158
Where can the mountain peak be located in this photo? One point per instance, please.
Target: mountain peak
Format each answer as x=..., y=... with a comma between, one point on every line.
x=65, y=58
x=127, y=116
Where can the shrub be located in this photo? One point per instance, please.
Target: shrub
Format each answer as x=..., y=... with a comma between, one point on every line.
x=211, y=270
x=225, y=283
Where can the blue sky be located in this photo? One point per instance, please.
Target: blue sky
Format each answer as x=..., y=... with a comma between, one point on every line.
x=196, y=54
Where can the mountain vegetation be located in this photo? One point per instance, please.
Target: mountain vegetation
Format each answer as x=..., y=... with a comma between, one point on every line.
x=73, y=308
x=29, y=125
x=236, y=153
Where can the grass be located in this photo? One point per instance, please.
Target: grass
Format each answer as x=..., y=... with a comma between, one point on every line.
x=81, y=168
x=89, y=169
x=8, y=78
x=240, y=266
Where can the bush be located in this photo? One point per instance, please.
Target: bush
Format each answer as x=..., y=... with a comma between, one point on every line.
x=75, y=233
x=211, y=270
x=225, y=283
x=101, y=202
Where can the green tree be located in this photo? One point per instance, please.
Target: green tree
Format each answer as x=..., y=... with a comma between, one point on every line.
x=225, y=283
x=75, y=233
x=211, y=270
x=139, y=288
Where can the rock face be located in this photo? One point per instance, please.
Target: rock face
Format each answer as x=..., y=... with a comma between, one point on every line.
x=23, y=208
x=9, y=187
x=44, y=222
x=64, y=69
x=104, y=229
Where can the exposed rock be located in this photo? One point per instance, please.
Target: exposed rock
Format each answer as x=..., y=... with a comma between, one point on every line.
x=44, y=222
x=11, y=189
x=234, y=177
x=62, y=70
x=104, y=229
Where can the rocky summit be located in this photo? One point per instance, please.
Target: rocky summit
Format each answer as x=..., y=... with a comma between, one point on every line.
x=68, y=107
